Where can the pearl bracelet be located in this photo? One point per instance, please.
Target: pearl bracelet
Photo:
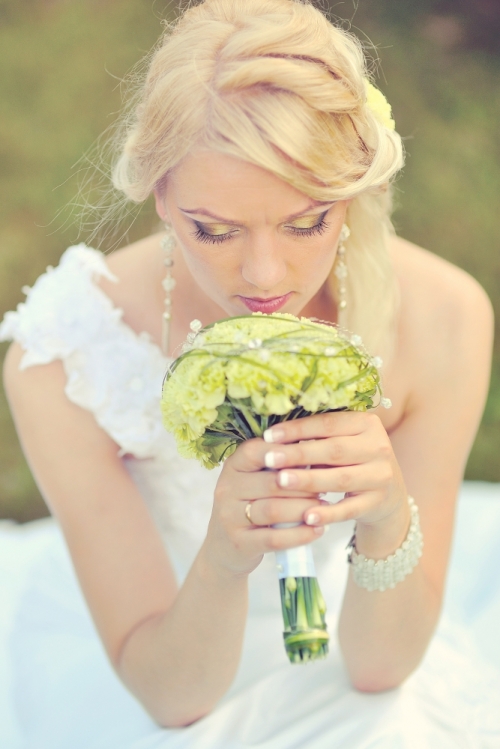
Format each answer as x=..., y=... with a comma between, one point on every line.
x=382, y=574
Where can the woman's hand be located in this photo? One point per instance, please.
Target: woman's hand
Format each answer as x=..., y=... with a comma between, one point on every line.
x=235, y=545
x=348, y=452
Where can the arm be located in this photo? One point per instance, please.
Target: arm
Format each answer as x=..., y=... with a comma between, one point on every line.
x=383, y=635
x=176, y=650
x=152, y=634
x=431, y=446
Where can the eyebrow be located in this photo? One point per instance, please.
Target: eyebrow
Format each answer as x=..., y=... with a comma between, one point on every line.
x=204, y=212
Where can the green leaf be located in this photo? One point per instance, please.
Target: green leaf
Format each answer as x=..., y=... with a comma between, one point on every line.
x=310, y=377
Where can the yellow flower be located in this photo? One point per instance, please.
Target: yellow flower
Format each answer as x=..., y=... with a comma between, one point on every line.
x=190, y=402
x=376, y=101
x=239, y=372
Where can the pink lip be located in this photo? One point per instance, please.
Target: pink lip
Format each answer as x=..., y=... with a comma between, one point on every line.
x=268, y=306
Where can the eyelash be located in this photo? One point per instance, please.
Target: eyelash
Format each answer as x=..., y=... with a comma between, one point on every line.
x=203, y=236
x=316, y=229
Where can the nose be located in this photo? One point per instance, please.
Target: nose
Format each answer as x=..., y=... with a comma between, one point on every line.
x=263, y=265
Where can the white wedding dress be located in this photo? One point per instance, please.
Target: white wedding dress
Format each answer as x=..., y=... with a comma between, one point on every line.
x=57, y=689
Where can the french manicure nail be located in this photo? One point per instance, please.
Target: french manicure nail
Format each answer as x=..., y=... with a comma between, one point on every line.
x=286, y=479
x=319, y=530
x=273, y=435
x=312, y=518
x=274, y=460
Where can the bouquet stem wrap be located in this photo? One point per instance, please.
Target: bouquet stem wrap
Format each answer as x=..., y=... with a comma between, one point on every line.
x=240, y=376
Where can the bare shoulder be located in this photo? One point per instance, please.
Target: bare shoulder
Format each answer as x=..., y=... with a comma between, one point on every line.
x=438, y=285
x=440, y=303
x=446, y=321
x=135, y=266
x=138, y=270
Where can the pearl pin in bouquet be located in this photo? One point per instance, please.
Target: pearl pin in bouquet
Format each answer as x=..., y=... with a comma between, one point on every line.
x=237, y=378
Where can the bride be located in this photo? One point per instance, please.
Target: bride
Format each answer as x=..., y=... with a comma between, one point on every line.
x=270, y=156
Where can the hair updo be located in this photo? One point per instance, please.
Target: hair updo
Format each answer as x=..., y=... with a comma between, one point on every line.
x=272, y=82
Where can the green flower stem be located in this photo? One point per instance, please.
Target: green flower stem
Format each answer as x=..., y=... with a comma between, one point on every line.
x=308, y=599
x=315, y=612
x=302, y=619
x=319, y=598
x=251, y=420
x=242, y=425
x=286, y=605
x=303, y=606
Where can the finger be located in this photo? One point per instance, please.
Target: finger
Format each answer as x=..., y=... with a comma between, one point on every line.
x=270, y=511
x=347, y=479
x=260, y=540
x=349, y=508
x=262, y=484
x=332, y=451
x=331, y=424
x=249, y=456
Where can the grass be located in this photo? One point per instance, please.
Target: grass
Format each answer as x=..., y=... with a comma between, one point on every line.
x=65, y=61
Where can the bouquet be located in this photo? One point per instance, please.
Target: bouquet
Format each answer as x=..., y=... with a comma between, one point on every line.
x=238, y=377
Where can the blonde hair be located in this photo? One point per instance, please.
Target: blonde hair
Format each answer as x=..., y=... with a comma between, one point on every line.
x=272, y=82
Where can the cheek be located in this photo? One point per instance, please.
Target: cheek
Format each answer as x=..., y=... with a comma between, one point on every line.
x=207, y=263
x=316, y=262
x=315, y=268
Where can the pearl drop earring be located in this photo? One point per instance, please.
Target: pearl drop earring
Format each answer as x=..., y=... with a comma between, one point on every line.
x=341, y=267
x=167, y=244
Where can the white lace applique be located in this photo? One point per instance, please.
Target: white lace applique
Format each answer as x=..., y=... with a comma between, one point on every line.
x=113, y=372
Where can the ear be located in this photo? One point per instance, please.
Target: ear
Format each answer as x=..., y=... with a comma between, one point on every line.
x=160, y=205
x=347, y=203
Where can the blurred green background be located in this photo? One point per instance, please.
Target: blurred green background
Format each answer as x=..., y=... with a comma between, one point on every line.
x=61, y=66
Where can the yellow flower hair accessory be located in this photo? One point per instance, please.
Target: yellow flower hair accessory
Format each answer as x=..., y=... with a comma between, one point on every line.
x=379, y=105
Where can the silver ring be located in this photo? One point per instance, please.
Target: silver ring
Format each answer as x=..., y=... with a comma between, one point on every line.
x=248, y=510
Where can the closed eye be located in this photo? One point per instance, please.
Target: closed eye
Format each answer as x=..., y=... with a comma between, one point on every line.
x=310, y=225
x=308, y=231
x=204, y=236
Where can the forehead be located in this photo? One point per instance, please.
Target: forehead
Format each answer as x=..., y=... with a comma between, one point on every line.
x=208, y=178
